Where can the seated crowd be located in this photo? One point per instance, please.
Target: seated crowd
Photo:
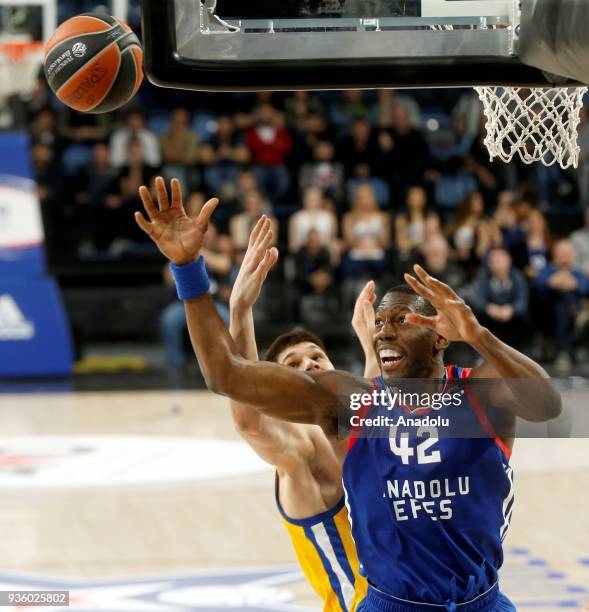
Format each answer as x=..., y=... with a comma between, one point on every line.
x=359, y=185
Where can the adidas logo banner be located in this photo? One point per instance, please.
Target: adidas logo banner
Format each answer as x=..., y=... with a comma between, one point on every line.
x=13, y=324
x=34, y=334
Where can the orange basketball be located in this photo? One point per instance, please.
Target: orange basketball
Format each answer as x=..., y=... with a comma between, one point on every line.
x=93, y=63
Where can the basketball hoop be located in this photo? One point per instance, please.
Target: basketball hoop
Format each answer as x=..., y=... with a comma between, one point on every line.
x=20, y=62
x=538, y=124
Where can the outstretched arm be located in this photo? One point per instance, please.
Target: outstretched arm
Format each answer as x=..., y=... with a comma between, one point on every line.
x=456, y=322
x=247, y=287
x=275, y=390
x=283, y=445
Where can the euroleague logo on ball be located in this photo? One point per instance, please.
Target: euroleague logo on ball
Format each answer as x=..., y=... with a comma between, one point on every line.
x=79, y=49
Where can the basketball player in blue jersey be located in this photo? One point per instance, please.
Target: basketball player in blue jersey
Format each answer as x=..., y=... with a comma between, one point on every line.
x=309, y=491
x=428, y=513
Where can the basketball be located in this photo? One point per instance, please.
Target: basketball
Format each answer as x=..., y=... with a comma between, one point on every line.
x=93, y=63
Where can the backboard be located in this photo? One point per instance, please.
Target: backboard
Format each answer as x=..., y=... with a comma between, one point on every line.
x=323, y=44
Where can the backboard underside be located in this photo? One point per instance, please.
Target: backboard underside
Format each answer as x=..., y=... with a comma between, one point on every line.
x=322, y=44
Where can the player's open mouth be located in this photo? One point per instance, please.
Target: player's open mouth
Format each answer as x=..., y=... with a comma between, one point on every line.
x=390, y=359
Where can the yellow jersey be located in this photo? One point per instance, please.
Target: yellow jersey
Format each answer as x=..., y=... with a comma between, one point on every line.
x=327, y=555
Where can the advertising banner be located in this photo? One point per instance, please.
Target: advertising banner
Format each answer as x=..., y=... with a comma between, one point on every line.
x=34, y=334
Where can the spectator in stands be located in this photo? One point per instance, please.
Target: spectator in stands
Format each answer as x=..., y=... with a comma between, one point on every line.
x=270, y=143
x=315, y=130
x=532, y=254
x=405, y=151
x=467, y=114
x=78, y=133
x=217, y=253
x=41, y=97
x=180, y=150
x=312, y=217
x=95, y=179
x=512, y=231
x=57, y=213
x=410, y=224
x=432, y=228
x=83, y=128
x=487, y=173
x=43, y=129
x=113, y=222
x=297, y=108
x=241, y=225
x=323, y=172
x=246, y=182
x=388, y=99
x=538, y=243
x=45, y=171
x=583, y=171
x=367, y=236
x=562, y=287
x=580, y=240
x=134, y=129
x=500, y=298
x=92, y=185
x=352, y=106
x=363, y=176
x=488, y=238
x=223, y=157
x=359, y=147
x=314, y=278
x=462, y=231
x=436, y=260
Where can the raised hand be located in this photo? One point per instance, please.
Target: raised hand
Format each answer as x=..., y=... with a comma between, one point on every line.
x=257, y=262
x=363, y=324
x=363, y=317
x=455, y=320
x=176, y=235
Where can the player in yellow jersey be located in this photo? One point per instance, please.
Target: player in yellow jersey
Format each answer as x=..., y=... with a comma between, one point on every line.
x=309, y=491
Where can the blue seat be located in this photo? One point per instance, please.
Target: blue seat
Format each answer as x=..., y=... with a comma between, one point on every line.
x=204, y=124
x=159, y=123
x=450, y=190
x=75, y=157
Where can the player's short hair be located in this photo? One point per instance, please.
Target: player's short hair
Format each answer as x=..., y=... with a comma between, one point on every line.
x=423, y=306
x=291, y=338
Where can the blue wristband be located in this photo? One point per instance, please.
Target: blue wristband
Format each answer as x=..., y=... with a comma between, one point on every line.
x=192, y=280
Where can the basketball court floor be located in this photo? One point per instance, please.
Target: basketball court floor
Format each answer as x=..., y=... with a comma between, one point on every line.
x=149, y=501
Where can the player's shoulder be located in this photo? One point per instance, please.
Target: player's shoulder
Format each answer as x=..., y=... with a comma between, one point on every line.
x=455, y=372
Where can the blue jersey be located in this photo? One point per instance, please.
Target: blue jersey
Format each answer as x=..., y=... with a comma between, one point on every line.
x=429, y=514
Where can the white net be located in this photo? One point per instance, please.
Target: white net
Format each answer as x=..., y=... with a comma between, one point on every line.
x=538, y=124
x=20, y=63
